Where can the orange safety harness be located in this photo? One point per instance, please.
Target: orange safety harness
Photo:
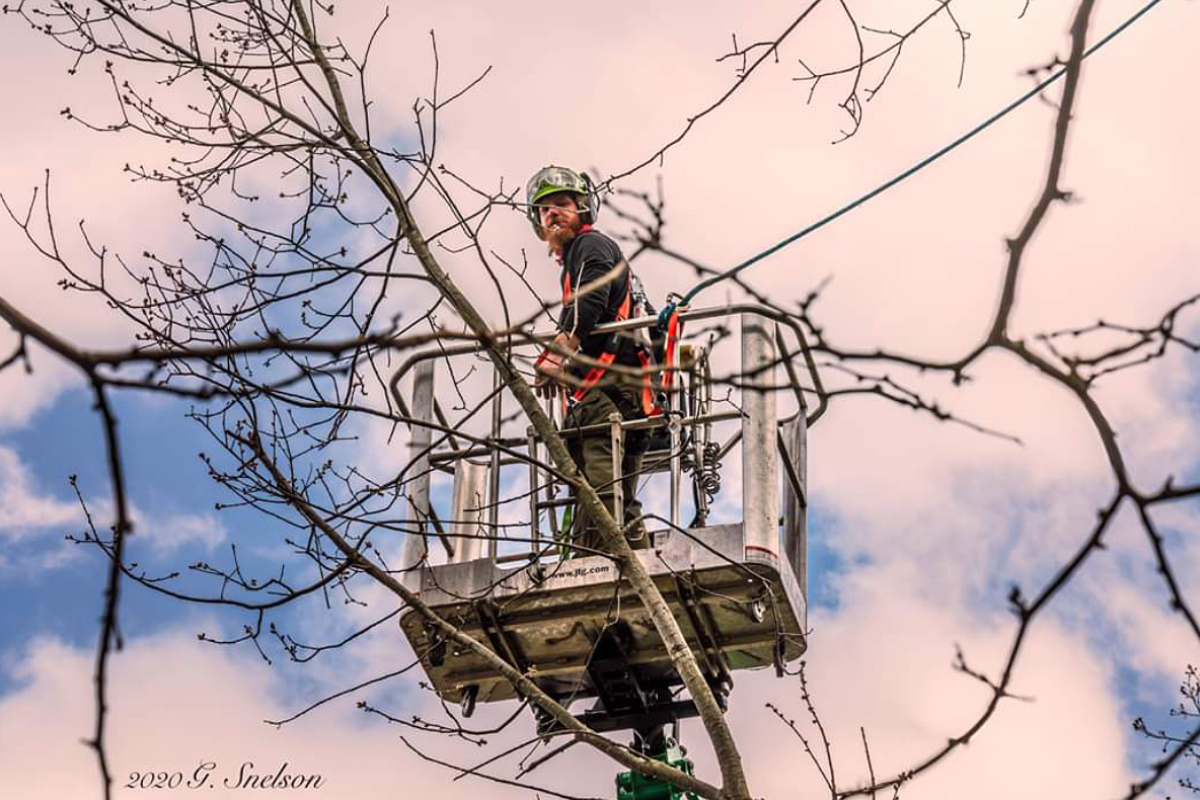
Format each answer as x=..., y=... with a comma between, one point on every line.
x=650, y=406
x=674, y=331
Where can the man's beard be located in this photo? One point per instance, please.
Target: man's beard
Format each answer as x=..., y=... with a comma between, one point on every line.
x=557, y=238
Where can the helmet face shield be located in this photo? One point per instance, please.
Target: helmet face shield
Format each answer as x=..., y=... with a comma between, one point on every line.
x=551, y=180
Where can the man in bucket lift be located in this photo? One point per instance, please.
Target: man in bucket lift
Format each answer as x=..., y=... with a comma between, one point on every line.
x=562, y=205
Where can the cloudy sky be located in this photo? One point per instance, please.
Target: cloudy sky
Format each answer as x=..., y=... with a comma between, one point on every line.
x=918, y=530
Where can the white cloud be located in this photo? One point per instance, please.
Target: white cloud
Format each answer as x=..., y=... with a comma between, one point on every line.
x=176, y=703
x=166, y=532
x=882, y=662
x=24, y=508
x=26, y=394
x=27, y=512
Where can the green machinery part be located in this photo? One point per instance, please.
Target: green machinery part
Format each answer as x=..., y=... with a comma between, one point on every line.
x=564, y=534
x=636, y=786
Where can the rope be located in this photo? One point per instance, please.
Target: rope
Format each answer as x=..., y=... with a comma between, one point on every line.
x=665, y=315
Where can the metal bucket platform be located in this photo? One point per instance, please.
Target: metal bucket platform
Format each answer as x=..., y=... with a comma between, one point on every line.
x=739, y=608
x=575, y=626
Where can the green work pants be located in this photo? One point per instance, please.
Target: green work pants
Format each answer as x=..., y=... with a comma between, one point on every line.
x=593, y=454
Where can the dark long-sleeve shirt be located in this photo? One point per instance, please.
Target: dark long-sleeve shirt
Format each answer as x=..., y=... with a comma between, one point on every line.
x=590, y=257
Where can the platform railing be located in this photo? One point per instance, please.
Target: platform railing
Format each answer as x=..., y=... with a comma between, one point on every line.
x=767, y=445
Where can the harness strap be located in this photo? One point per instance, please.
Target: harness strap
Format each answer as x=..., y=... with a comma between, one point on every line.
x=674, y=332
x=612, y=346
x=650, y=406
